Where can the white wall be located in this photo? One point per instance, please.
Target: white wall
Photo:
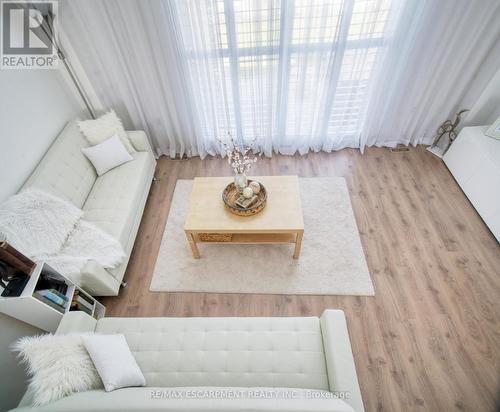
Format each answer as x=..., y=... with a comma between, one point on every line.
x=13, y=378
x=485, y=105
x=34, y=106
x=487, y=108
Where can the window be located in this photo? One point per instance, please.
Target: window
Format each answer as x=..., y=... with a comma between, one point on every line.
x=298, y=70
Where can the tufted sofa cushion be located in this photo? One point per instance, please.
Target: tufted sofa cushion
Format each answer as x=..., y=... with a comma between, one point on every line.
x=116, y=197
x=64, y=170
x=226, y=352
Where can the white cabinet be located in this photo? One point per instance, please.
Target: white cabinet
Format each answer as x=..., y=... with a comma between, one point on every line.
x=474, y=160
x=29, y=309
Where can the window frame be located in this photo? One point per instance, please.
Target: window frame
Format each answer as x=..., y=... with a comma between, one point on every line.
x=284, y=51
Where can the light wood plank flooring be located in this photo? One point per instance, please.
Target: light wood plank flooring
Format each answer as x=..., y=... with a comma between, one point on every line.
x=430, y=338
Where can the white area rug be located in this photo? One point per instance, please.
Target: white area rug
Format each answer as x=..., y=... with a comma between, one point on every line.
x=332, y=261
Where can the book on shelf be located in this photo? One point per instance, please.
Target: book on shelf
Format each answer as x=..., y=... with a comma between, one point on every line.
x=15, y=270
x=83, y=302
x=58, y=293
x=15, y=259
x=48, y=302
x=84, y=297
x=78, y=306
x=54, y=297
x=48, y=281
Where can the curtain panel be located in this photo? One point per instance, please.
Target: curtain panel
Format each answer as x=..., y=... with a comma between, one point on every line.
x=289, y=76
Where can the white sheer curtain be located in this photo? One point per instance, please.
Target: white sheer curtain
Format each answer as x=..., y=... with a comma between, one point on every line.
x=433, y=63
x=127, y=50
x=294, y=75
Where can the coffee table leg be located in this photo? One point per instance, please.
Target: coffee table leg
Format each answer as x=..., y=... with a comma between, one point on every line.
x=192, y=243
x=298, y=244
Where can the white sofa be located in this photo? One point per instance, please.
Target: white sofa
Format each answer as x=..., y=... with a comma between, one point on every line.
x=114, y=201
x=199, y=364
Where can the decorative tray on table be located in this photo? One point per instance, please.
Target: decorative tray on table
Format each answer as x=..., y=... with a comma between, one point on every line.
x=233, y=199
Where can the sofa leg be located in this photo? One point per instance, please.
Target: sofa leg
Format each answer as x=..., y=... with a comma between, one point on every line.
x=123, y=284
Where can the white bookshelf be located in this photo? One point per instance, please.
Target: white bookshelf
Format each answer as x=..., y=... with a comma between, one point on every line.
x=29, y=309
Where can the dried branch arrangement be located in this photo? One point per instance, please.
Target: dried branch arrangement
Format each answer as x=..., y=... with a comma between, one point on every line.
x=241, y=158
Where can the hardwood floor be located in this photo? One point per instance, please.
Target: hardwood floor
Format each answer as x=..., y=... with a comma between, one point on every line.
x=430, y=338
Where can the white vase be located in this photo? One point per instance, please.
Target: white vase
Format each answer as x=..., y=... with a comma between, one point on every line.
x=240, y=181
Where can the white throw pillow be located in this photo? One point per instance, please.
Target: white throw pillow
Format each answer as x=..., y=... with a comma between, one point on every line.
x=36, y=222
x=98, y=130
x=114, y=362
x=107, y=155
x=58, y=365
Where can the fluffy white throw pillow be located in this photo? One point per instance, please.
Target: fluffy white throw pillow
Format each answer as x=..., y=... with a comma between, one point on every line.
x=107, y=155
x=98, y=130
x=58, y=365
x=114, y=362
x=36, y=222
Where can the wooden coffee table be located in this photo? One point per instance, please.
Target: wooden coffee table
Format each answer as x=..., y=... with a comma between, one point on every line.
x=281, y=221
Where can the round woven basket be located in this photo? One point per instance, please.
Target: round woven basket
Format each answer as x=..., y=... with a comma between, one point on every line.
x=230, y=194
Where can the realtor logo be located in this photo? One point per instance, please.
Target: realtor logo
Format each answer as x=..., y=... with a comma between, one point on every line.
x=28, y=35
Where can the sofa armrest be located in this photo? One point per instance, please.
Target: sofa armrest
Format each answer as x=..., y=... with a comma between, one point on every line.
x=76, y=321
x=339, y=359
x=140, y=141
x=96, y=280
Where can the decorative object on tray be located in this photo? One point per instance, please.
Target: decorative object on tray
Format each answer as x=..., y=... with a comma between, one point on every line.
x=255, y=186
x=445, y=135
x=242, y=206
x=240, y=180
x=241, y=158
x=248, y=192
x=244, y=197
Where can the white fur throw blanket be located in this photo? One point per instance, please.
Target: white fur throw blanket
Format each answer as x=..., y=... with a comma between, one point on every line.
x=45, y=227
